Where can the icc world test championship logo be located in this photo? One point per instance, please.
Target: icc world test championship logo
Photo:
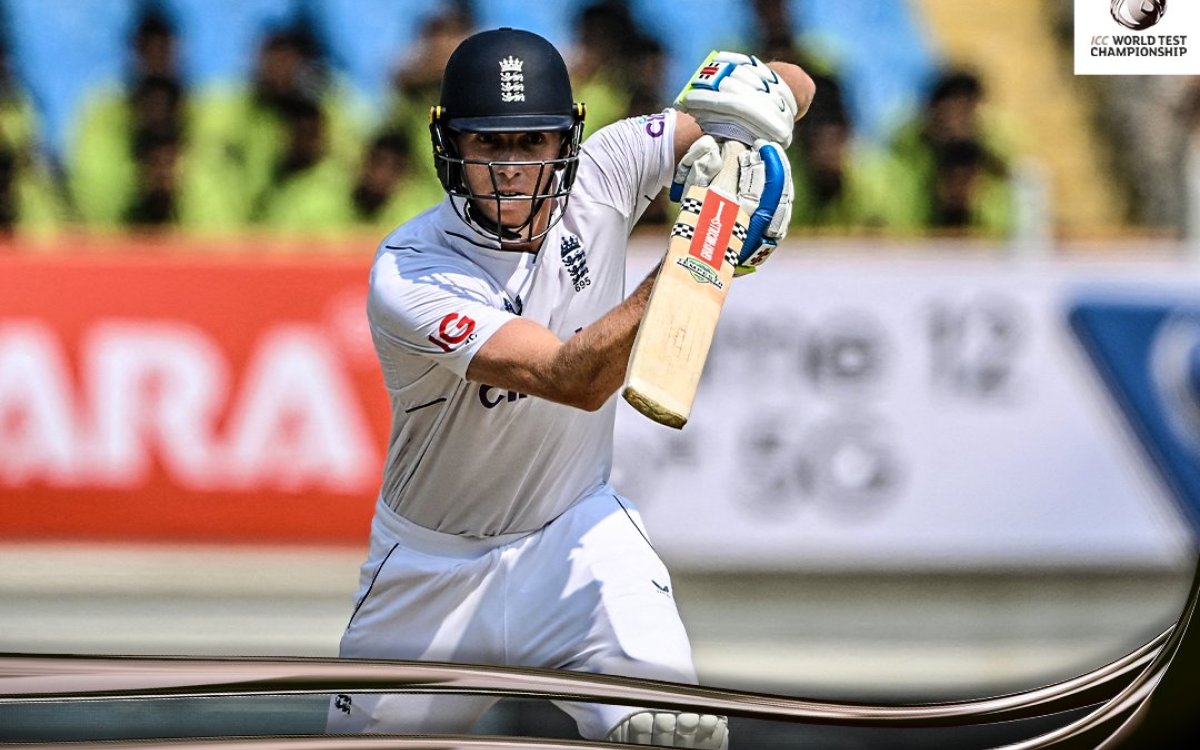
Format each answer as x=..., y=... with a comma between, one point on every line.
x=1102, y=52
x=1138, y=14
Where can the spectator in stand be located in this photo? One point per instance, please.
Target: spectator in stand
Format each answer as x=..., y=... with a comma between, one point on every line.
x=646, y=89
x=616, y=67
x=773, y=29
x=607, y=43
x=30, y=201
x=930, y=159
x=101, y=166
x=30, y=206
x=646, y=96
x=838, y=182
x=617, y=70
x=155, y=202
x=417, y=82
x=388, y=192
x=122, y=127
x=963, y=192
x=314, y=196
x=247, y=128
x=837, y=178
x=308, y=185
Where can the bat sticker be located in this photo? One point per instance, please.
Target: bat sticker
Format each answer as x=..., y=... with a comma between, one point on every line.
x=709, y=238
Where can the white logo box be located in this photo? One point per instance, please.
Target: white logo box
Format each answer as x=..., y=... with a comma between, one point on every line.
x=1153, y=37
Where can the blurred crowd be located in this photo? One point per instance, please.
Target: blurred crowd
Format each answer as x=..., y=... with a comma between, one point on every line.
x=286, y=152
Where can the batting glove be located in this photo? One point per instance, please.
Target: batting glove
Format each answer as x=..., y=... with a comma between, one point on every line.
x=738, y=96
x=765, y=193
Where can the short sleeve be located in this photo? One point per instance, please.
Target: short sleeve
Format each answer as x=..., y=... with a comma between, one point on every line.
x=626, y=164
x=441, y=313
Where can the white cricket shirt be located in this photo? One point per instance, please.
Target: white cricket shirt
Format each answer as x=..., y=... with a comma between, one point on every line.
x=467, y=458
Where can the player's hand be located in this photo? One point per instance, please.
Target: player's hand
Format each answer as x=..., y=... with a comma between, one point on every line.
x=699, y=166
x=738, y=96
x=765, y=192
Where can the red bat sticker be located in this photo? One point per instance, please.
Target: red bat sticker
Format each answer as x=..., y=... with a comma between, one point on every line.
x=713, y=229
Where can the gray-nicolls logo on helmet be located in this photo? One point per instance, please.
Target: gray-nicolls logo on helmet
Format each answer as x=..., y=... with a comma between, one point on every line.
x=506, y=81
x=1138, y=14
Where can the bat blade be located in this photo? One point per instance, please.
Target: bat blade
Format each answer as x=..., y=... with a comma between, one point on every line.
x=681, y=316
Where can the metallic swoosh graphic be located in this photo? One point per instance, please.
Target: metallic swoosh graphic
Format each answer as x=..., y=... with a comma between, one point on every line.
x=1120, y=689
x=342, y=742
x=25, y=678
x=1104, y=726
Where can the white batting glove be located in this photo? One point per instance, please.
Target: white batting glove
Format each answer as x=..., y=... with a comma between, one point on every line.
x=699, y=166
x=765, y=192
x=671, y=729
x=738, y=96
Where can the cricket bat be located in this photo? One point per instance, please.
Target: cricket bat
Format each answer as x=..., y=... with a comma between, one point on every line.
x=681, y=317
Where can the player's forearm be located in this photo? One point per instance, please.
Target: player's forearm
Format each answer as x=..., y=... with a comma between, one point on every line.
x=583, y=372
x=590, y=366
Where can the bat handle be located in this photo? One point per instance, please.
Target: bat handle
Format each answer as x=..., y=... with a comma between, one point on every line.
x=727, y=179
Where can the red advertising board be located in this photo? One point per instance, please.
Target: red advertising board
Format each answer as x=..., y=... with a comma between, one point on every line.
x=182, y=397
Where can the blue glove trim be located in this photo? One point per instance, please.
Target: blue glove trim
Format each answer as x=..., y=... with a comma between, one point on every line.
x=676, y=192
x=726, y=69
x=741, y=269
x=774, y=174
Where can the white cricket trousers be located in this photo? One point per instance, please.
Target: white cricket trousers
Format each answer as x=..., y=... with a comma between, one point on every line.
x=586, y=592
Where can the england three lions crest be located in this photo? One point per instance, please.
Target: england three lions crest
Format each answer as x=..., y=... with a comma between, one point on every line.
x=512, y=79
x=575, y=261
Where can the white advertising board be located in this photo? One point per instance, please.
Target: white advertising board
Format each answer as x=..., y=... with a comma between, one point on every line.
x=861, y=412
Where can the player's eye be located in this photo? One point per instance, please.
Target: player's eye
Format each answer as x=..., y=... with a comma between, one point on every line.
x=534, y=139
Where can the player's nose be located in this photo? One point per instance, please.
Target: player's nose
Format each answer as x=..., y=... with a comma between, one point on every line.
x=508, y=175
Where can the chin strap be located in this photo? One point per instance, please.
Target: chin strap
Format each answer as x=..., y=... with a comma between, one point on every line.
x=488, y=229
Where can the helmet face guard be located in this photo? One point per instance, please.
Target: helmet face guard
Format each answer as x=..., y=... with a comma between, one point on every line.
x=506, y=81
x=554, y=180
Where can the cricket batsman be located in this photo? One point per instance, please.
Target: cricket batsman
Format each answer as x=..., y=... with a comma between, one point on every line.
x=503, y=329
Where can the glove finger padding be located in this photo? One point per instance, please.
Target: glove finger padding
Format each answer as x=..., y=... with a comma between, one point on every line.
x=699, y=166
x=671, y=729
x=739, y=96
x=765, y=192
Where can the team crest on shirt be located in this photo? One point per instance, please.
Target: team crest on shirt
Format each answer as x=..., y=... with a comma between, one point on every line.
x=575, y=261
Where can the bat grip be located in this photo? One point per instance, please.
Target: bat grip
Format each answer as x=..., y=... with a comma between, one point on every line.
x=727, y=178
